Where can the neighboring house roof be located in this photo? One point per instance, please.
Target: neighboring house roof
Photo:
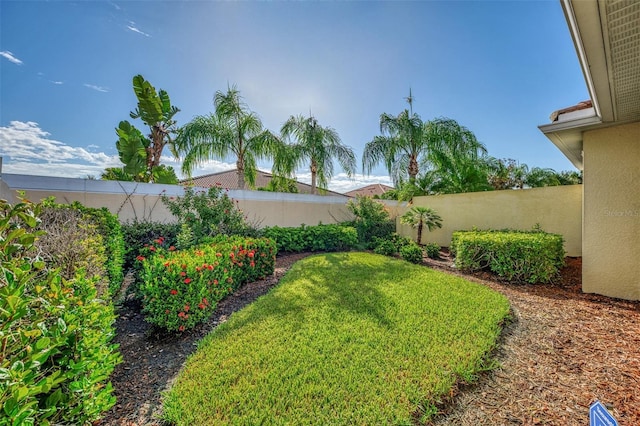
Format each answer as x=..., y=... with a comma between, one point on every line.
x=369, y=190
x=606, y=36
x=229, y=180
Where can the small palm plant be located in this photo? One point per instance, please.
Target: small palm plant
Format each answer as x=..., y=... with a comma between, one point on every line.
x=418, y=217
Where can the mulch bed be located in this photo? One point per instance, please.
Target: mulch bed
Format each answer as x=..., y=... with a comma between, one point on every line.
x=563, y=350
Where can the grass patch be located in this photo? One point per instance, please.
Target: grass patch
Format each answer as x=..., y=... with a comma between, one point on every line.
x=347, y=338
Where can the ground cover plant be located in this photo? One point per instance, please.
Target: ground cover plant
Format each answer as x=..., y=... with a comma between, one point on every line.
x=348, y=338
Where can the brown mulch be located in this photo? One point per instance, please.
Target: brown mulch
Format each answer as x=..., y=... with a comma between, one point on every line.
x=563, y=350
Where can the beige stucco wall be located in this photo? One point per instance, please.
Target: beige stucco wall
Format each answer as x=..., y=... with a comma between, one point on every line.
x=557, y=209
x=611, y=249
x=131, y=201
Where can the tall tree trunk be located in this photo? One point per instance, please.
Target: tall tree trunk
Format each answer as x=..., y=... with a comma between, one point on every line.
x=240, y=171
x=413, y=168
x=314, y=171
x=420, y=225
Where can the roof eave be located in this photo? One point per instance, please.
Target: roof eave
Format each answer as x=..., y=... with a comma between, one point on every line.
x=567, y=136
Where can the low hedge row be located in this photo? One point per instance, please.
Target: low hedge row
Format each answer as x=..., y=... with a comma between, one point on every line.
x=313, y=238
x=181, y=288
x=532, y=257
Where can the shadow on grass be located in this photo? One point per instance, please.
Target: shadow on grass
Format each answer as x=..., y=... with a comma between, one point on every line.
x=332, y=281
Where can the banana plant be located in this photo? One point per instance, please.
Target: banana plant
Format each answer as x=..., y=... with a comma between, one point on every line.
x=139, y=154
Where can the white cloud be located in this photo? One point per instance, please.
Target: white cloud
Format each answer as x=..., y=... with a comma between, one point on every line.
x=56, y=82
x=132, y=27
x=209, y=167
x=342, y=183
x=97, y=88
x=27, y=149
x=116, y=7
x=10, y=57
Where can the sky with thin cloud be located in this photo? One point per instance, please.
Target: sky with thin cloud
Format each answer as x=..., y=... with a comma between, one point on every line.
x=498, y=68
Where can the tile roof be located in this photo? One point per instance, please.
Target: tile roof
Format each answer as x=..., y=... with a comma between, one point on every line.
x=229, y=180
x=369, y=190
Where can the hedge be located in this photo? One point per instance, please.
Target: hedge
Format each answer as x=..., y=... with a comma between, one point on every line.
x=532, y=257
x=180, y=289
x=313, y=238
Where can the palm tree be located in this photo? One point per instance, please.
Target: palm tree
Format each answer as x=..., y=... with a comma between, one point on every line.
x=232, y=129
x=399, y=147
x=418, y=217
x=314, y=145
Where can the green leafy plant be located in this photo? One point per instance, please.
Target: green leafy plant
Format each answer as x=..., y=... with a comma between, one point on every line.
x=432, y=250
x=385, y=247
x=419, y=217
x=530, y=256
x=138, y=234
x=312, y=238
x=412, y=253
x=371, y=220
x=139, y=154
x=181, y=288
x=55, y=350
x=203, y=214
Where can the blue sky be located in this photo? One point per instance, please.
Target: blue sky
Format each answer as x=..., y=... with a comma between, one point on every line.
x=498, y=68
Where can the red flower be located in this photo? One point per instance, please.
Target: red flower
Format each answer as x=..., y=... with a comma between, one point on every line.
x=186, y=308
x=231, y=255
x=187, y=280
x=251, y=254
x=253, y=264
x=210, y=267
x=139, y=258
x=152, y=248
x=166, y=312
x=173, y=292
x=172, y=248
x=166, y=264
x=183, y=273
x=201, y=305
x=181, y=328
x=183, y=266
x=215, y=282
x=218, y=254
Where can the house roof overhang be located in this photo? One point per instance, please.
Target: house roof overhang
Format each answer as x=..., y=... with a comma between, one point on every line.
x=606, y=36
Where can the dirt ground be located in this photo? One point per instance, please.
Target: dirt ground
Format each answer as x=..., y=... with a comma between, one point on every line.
x=562, y=350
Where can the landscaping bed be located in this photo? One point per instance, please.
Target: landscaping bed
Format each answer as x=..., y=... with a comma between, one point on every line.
x=564, y=349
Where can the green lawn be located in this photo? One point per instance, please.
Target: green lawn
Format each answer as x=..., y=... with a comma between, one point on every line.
x=347, y=338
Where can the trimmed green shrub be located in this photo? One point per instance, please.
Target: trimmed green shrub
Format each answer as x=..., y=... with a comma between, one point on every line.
x=530, y=257
x=313, y=238
x=432, y=250
x=385, y=247
x=137, y=234
x=412, y=253
x=181, y=288
x=372, y=220
x=55, y=350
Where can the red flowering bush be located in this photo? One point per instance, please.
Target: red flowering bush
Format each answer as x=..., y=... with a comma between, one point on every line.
x=181, y=288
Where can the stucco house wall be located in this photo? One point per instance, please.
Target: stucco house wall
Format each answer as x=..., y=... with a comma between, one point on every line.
x=611, y=249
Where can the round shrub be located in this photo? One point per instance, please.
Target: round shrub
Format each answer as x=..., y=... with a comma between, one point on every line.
x=411, y=253
x=433, y=250
x=385, y=247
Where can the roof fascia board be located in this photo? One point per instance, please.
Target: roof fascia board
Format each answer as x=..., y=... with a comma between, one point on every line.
x=586, y=27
